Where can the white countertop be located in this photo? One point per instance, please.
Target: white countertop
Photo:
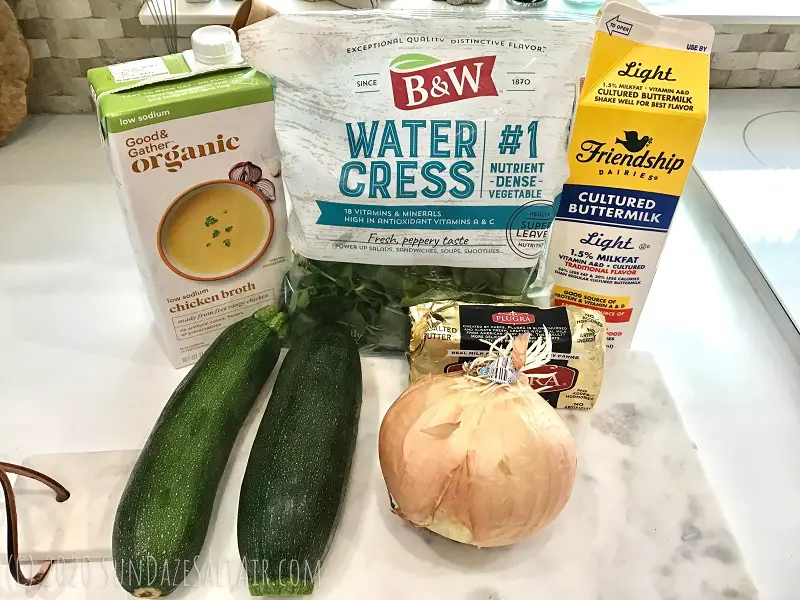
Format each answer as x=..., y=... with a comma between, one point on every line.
x=82, y=369
x=750, y=157
x=642, y=522
x=220, y=12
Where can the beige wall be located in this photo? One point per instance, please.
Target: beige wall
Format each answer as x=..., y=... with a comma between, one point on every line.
x=67, y=37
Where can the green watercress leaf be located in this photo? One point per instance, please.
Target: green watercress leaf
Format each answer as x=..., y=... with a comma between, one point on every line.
x=373, y=299
x=515, y=281
x=482, y=279
x=355, y=320
x=303, y=299
x=390, y=278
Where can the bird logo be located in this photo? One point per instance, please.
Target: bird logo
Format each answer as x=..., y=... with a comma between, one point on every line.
x=632, y=142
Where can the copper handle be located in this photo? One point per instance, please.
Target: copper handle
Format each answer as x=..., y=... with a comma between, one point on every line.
x=11, y=516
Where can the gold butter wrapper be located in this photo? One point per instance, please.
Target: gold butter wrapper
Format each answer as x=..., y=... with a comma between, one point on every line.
x=446, y=334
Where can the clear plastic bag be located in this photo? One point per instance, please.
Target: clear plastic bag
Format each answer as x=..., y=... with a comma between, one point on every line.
x=423, y=155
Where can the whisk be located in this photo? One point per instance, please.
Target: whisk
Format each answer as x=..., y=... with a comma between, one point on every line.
x=166, y=17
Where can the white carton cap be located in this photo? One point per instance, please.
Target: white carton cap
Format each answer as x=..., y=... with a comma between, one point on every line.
x=215, y=45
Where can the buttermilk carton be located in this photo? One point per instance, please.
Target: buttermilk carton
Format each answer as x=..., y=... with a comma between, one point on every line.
x=639, y=119
x=197, y=171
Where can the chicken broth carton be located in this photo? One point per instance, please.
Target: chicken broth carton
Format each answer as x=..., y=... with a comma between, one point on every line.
x=197, y=170
x=639, y=119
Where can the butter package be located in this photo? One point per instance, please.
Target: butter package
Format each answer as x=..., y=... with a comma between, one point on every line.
x=639, y=119
x=446, y=334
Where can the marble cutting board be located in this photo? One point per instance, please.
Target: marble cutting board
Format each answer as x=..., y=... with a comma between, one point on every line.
x=642, y=523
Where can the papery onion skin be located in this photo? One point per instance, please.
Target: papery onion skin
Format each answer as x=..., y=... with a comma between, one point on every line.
x=482, y=469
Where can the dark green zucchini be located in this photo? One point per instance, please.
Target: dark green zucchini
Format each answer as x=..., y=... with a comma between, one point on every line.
x=165, y=509
x=294, y=486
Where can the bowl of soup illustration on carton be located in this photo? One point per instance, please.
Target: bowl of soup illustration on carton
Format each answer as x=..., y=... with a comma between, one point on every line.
x=215, y=230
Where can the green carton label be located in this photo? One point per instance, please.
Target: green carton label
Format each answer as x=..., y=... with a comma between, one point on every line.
x=124, y=107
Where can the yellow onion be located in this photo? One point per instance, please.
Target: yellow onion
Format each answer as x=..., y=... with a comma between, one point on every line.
x=480, y=464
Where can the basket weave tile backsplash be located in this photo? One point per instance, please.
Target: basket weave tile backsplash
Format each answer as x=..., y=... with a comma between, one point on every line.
x=67, y=37
x=756, y=56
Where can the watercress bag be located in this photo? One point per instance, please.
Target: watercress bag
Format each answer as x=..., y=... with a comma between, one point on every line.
x=423, y=154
